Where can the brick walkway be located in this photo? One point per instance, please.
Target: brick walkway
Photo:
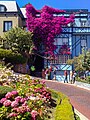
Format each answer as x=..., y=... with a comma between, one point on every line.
x=79, y=97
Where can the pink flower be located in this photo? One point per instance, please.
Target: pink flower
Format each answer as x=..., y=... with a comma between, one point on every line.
x=14, y=92
x=15, y=109
x=22, y=100
x=72, y=16
x=7, y=103
x=12, y=115
x=22, y=109
x=24, y=104
x=34, y=113
x=3, y=100
x=9, y=95
x=18, y=109
x=46, y=27
x=28, y=109
x=43, y=81
x=44, y=93
x=14, y=104
x=18, y=98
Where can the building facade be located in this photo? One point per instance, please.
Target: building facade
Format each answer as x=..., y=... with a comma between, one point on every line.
x=74, y=37
x=10, y=16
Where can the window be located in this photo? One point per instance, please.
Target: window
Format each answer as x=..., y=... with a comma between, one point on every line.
x=61, y=41
x=83, y=43
x=65, y=41
x=2, y=8
x=83, y=23
x=7, y=25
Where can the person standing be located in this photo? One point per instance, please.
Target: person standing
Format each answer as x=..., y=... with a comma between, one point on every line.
x=54, y=71
x=43, y=73
x=65, y=74
x=74, y=75
x=47, y=73
x=71, y=77
x=50, y=73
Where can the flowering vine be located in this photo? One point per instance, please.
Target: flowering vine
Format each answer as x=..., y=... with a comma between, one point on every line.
x=45, y=26
x=64, y=50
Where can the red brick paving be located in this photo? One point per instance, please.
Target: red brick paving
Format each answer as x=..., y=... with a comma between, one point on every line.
x=79, y=97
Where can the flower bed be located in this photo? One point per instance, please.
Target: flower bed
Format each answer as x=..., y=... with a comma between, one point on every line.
x=30, y=99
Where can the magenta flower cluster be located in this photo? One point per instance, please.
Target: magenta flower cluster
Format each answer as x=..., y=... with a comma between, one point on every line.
x=64, y=50
x=42, y=90
x=44, y=93
x=46, y=26
x=34, y=113
x=17, y=103
x=11, y=94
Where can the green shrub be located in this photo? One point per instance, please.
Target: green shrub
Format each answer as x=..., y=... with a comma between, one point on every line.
x=4, y=53
x=4, y=90
x=11, y=57
x=85, y=80
x=63, y=109
x=1, y=41
x=88, y=79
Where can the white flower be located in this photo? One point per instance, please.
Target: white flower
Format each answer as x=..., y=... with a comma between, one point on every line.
x=32, y=98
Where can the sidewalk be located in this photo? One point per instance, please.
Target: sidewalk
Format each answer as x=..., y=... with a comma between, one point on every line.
x=78, y=84
x=82, y=85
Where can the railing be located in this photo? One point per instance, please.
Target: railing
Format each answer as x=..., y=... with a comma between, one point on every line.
x=61, y=59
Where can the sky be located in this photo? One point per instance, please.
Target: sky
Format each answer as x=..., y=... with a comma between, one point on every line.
x=60, y=4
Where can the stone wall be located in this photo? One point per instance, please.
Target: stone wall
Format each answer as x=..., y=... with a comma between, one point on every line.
x=22, y=68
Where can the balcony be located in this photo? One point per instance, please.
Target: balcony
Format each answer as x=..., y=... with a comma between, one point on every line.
x=61, y=59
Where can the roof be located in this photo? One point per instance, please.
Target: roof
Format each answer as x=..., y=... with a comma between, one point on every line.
x=76, y=10
x=23, y=10
x=11, y=6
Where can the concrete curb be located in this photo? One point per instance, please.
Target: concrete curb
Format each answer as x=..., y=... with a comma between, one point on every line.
x=82, y=87
x=82, y=117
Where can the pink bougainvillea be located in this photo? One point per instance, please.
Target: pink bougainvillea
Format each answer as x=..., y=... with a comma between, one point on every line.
x=45, y=26
x=64, y=50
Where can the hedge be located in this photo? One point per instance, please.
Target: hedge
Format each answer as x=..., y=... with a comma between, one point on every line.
x=64, y=110
x=11, y=57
